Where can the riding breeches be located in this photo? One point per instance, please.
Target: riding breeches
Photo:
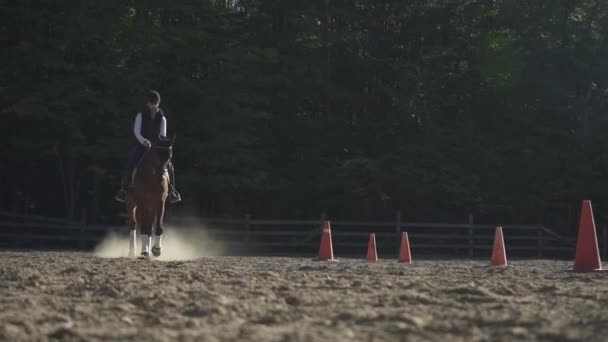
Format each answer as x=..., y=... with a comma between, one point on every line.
x=137, y=154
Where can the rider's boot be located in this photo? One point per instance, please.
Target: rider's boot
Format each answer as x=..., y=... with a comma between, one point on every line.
x=174, y=196
x=136, y=156
x=121, y=195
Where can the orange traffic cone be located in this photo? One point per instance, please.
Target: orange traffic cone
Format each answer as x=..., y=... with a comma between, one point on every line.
x=326, y=251
x=405, y=256
x=499, y=256
x=372, y=254
x=587, y=251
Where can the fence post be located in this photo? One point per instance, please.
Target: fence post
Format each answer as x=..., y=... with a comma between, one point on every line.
x=470, y=232
x=398, y=229
x=398, y=223
x=323, y=218
x=539, y=242
x=605, y=236
x=247, y=227
x=83, y=224
x=247, y=232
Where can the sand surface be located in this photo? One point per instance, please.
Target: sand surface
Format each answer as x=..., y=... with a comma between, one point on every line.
x=79, y=296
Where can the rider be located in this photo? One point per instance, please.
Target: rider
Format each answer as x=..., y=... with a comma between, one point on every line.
x=149, y=126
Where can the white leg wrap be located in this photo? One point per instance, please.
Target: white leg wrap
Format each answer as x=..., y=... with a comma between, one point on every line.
x=145, y=243
x=132, y=240
x=158, y=242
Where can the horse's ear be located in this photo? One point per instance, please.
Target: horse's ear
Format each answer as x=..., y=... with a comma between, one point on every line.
x=173, y=140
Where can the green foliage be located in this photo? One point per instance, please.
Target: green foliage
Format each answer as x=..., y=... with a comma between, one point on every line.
x=501, y=61
x=286, y=108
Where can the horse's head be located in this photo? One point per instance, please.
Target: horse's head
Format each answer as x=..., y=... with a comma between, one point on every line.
x=164, y=150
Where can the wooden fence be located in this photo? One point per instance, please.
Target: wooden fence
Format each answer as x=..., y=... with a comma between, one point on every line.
x=248, y=236
x=38, y=232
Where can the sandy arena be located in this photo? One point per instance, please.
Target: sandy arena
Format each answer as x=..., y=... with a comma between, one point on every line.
x=78, y=296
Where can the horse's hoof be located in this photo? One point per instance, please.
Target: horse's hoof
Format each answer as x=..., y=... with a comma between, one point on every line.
x=131, y=254
x=144, y=255
x=156, y=251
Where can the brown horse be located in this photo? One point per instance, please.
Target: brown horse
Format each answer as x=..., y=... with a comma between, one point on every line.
x=147, y=196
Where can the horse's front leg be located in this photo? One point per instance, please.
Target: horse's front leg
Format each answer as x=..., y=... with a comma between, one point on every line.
x=145, y=216
x=158, y=229
x=132, y=225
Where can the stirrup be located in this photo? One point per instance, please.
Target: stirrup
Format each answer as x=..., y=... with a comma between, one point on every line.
x=121, y=196
x=174, y=197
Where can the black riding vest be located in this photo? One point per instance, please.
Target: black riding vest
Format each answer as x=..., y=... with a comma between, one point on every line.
x=150, y=125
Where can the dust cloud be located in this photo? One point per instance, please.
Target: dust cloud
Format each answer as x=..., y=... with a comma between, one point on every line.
x=177, y=244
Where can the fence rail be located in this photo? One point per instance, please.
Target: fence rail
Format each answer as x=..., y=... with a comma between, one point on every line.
x=287, y=237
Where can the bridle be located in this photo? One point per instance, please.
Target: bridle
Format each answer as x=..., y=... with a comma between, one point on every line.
x=163, y=167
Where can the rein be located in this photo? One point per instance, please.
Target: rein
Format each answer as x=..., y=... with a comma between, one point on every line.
x=162, y=147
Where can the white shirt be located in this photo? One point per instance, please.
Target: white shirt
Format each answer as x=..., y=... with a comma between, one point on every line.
x=137, y=128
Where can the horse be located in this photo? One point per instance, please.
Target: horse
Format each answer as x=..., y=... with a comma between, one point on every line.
x=147, y=196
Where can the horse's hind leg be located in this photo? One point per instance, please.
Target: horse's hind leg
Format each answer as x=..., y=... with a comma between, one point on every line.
x=132, y=225
x=146, y=219
x=158, y=227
